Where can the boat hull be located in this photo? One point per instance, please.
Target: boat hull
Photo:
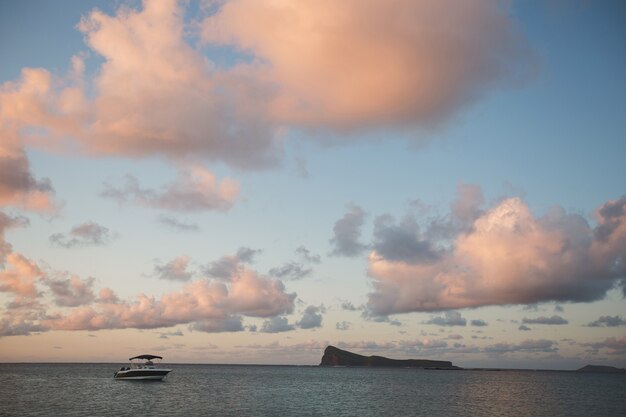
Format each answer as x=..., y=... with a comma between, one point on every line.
x=143, y=374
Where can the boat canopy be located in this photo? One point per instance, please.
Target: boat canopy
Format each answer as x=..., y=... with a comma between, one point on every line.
x=148, y=357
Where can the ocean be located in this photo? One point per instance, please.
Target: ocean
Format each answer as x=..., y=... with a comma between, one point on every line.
x=244, y=390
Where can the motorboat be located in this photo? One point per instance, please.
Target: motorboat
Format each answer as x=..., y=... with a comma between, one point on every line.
x=143, y=367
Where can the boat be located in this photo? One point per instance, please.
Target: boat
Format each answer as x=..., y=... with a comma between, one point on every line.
x=142, y=367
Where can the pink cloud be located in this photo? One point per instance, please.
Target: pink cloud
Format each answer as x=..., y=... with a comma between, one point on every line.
x=508, y=256
x=175, y=270
x=153, y=94
x=211, y=305
x=201, y=301
x=72, y=291
x=8, y=222
x=20, y=276
x=371, y=63
x=367, y=64
x=195, y=189
x=18, y=187
x=25, y=316
x=107, y=296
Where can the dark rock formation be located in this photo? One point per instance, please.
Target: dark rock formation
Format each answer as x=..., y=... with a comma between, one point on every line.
x=337, y=357
x=603, y=369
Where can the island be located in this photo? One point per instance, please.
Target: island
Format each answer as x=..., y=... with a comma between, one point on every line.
x=602, y=368
x=336, y=357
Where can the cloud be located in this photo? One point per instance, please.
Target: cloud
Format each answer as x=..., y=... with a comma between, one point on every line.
x=608, y=321
x=402, y=242
x=529, y=345
x=8, y=222
x=195, y=189
x=245, y=293
x=227, y=324
x=18, y=186
x=312, y=346
x=524, y=328
x=20, y=276
x=380, y=319
x=450, y=318
x=554, y=320
x=176, y=224
x=467, y=207
x=209, y=303
x=174, y=270
x=423, y=72
x=343, y=325
x=86, y=234
x=25, y=312
x=107, y=296
x=508, y=256
x=347, y=232
x=21, y=108
x=622, y=283
x=311, y=318
x=612, y=345
x=611, y=218
x=18, y=327
x=72, y=291
x=366, y=345
x=167, y=335
x=246, y=255
x=348, y=306
x=227, y=266
x=423, y=344
x=277, y=325
x=478, y=323
x=151, y=93
x=307, y=256
x=291, y=271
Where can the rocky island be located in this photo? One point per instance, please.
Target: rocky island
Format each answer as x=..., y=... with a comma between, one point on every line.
x=602, y=368
x=336, y=357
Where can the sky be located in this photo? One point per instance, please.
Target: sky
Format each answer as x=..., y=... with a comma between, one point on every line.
x=244, y=181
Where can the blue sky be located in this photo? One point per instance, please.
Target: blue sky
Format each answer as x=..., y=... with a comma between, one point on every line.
x=381, y=142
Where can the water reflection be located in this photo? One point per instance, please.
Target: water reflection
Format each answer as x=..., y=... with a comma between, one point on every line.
x=78, y=389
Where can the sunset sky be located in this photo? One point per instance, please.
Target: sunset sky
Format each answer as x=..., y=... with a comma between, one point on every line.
x=249, y=181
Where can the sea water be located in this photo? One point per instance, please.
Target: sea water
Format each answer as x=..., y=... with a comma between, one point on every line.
x=242, y=390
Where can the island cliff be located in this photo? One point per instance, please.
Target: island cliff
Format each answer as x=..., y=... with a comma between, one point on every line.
x=337, y=357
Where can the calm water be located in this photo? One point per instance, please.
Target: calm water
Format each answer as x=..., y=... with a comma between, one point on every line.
x=194, y=390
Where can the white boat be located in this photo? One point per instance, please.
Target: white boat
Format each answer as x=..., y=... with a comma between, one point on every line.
x=145, y=370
